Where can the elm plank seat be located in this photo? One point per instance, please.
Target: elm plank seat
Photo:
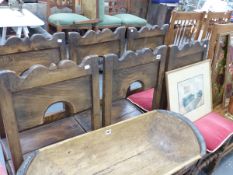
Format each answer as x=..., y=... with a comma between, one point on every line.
x=141, y=145
x=25, y=99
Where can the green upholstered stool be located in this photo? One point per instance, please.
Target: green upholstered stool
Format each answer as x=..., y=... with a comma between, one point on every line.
x=108, y=22
x=131, y=20
x=67, y=19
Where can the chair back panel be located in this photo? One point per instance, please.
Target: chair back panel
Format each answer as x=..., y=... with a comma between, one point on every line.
x=20, y=54
x=146, y=37
x=143, y=66
x=40, y=87
x=90, y=8
x=119, y=6
x=217, y=29
x=188, y=54
x=184, y=27
x=215, y=18
x=96, y=43
x=60, y=4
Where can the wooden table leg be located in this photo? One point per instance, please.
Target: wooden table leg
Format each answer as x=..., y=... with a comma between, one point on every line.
x=19, y=32
x=25, y=31
x=3, y=39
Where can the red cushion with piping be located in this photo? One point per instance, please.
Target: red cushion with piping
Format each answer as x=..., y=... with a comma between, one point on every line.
x=143, y=99
x=215, y=129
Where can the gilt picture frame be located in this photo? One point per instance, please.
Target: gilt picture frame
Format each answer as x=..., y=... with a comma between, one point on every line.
x=189, y=90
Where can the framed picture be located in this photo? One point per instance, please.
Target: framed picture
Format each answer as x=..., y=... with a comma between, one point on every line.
x=189, y=90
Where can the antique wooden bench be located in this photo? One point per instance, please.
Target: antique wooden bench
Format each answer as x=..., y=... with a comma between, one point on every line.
x=96, y=43
x=153, y=143
x=26, y=99
x=146, y=37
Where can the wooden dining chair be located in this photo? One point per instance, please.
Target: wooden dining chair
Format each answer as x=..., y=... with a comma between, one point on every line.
x=217, y=29
x=26, y=103
x=214, y=18
x=176, y=58
x=121, y=10
x=144, y=67
x=20, y=54
x=62, y=14
x=146, y=37
x=96, y=43
x=184, y=27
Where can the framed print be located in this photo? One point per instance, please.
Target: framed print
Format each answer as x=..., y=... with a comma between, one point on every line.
x=189, y=90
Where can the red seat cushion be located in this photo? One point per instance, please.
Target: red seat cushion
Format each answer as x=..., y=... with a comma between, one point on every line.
x=215, y=129
x=143, y=99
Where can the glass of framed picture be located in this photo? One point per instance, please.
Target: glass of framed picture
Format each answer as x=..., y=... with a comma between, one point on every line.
x=189, y=90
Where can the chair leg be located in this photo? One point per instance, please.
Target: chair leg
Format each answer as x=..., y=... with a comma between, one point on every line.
x=59, y=29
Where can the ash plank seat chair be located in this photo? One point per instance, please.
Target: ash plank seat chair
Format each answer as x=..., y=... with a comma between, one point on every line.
x=25, y=99
x=217, y=29
x=214, y=18
x=143, y=66
x=137, y=143
x=117, y=6
x=176, y=57
x=20, y=54
x=96, y=43
x=146, y=37
x=184, y=27
x=62, y=19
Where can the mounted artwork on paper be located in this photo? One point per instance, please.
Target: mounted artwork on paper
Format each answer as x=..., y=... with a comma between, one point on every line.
x=189, y=90
x=190, y=94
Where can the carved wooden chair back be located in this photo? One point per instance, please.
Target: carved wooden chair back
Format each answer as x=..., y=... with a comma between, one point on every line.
x=142, y=66
x=217, y=29
x=184, y=27
x=68, y=5
x=119, y=6
x=180, y=57
x=20, y=54
x=146, y=37
x=25, y=98
x=96, y=43
x=215, y=18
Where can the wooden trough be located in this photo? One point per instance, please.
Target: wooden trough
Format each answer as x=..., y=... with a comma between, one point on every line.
x=158, y=142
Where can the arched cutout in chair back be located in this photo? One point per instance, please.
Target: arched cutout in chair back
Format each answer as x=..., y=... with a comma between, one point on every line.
x=135, y=87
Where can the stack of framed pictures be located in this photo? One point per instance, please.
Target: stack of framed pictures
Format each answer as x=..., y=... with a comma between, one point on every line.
x=189, y=90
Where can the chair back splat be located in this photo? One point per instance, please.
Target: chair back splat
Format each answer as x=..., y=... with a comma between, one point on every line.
x=143, y=66
x=215, y=18
x=96, y=43
x=20, y=54
x=184, y=27
x=180, y=57
x=25, y=98
x=146, y=37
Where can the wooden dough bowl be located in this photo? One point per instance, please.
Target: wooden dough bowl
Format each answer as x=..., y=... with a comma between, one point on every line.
x=158, y=142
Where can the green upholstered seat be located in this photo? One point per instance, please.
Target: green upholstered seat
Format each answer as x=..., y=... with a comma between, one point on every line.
x=67, y=19
x=108, y=21
x=131, y=20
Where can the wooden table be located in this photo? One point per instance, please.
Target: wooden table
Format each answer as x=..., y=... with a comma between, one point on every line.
x=157, y=142
x=18, y=21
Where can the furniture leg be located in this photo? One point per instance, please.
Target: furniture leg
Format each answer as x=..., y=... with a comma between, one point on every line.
x=25, y=31
x=3, y=39
x=19, y=32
